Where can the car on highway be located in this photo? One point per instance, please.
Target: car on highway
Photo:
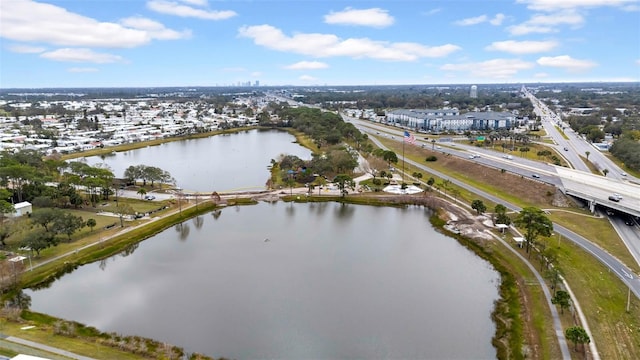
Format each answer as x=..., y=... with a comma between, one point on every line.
x=535, y=176
x=614, y=198
x=149, y=197
x=629, y=221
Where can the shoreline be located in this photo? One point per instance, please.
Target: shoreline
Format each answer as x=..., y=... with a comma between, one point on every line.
x=505, y=340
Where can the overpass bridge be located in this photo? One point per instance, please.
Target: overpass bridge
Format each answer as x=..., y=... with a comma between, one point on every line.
x=596, y=189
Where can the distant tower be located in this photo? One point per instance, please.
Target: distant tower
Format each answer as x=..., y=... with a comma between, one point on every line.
x=474, y=92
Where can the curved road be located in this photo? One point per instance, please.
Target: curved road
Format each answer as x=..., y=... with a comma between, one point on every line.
x=616, y=266
x=554, y=312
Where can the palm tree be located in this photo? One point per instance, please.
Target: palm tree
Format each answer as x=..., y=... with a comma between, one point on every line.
x=142, y=192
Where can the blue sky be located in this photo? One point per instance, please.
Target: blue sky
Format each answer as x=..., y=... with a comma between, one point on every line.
x=123, y=43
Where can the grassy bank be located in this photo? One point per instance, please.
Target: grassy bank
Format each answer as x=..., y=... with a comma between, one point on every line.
x=584, y=273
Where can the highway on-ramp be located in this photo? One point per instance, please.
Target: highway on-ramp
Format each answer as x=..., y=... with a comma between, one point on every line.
x=616, y=266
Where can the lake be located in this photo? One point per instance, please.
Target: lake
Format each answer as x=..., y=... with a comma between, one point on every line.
x=228, y=162
x=293, y=281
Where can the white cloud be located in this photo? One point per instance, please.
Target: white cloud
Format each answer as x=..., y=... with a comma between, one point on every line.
x=471, y=21
x=432, y=11
x=374, y=17
x=196, y=2
x=566, y=62
x=177, y=9
x=81, y=70
x=494, y=69
x=26, y=49
x=540, y=75
x=638, y=62
x=307, y=65
x=329, y=45
x=547, y=23
x=552, y=5
x=497, y=20
x=26, y=20
x=307, y=78
x=155, y=29
x=256, y=74
x=80, y=55
x=522, y=47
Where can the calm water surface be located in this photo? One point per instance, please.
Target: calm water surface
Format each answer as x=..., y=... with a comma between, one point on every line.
x=333, y=281
x=219, y=163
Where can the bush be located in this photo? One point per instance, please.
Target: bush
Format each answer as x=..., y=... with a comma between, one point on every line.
x=377, y=181
x=431, y=158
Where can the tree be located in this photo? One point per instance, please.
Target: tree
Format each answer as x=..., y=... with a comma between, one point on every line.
x=123, y=210
x=478, y=206
x=563, y=299
x=577, y=335
x=344, y=182
x=142, y=192
x=5, y=232
x=501, y=217
x=390, y=157
x=290, y=182
x=320, y=181
x=5, y=206
x=431, y=181
x=375, y=165
x=67, y=224
x=605, y=172
x=91, y=223
x=38, y=240
x=554, y=275
x=535, y=223
x=587, y=153
x=46, y=217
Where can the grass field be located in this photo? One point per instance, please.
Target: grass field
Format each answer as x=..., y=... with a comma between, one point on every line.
x=601, y=294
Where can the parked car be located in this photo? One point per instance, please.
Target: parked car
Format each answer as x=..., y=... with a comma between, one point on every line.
x=149, y=197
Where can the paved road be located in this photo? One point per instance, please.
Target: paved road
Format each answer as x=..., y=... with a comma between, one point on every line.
x=564, y=348
x=616, y=266
x=27, y=347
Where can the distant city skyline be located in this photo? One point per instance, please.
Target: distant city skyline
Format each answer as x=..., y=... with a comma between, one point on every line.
x=166, y=43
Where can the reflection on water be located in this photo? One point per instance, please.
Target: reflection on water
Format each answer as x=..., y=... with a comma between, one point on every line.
x=382, y=284
x=233, y=162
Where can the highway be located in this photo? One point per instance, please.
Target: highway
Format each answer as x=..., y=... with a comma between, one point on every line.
x=616, y=266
